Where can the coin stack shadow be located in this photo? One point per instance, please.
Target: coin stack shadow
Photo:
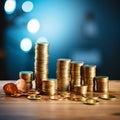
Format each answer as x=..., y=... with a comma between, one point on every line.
x=75, y=74
x=88, y=74
x=63, y=75
x=41, y=63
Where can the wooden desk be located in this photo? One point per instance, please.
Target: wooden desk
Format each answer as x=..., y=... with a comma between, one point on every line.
x=23, y=109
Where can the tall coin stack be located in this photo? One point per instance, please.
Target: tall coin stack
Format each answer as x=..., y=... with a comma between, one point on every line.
x=63, y=74
x=41, y=63
x=88, y=74
x=75, y=74
x=101, y=84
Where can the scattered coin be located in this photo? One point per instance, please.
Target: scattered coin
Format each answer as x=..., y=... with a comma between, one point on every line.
x=34, y=97
x=91, y=101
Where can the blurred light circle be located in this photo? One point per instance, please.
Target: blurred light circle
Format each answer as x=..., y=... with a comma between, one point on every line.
x=42, y=40
x=33, y=26
x=26, y=44
x=27, y=6
x=10, y=6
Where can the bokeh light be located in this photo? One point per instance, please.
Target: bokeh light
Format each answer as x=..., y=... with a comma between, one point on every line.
x=33, y=26
x=10, y=6
x=27, y=6
x=26, y=44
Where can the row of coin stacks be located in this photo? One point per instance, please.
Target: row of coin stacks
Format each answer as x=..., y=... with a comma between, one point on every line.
x=74, y=76
x=70, y=75
x=74, y=73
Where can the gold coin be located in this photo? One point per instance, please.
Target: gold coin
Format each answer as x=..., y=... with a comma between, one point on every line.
x=90, y=101
x=34, y=97
x=107, y=97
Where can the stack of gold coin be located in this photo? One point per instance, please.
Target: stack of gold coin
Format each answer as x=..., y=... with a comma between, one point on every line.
x=88, y=74
x=28, y=77
x=49, y=86
x=63, y=74
x=80, y=90
x=41, y=63
x=75, y=74
x=101, y=83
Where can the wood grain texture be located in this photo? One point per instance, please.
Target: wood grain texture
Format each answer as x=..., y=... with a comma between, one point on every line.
x=21, y=108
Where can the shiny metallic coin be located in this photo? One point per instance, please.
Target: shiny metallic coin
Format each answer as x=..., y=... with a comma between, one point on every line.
x=34, y=97
x=90, y=101
x=107, y=97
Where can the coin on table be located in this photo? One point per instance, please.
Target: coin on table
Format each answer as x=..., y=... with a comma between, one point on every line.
x=34, y=97
x=91, y=101
x=107, y=97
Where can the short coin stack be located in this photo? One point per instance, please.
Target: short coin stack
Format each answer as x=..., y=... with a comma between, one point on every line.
x=80, y=90
x=49, y=86
x=88, y=74
x=75, y=74
x=101, y=84
x=41, y=63
x=28, y=77
x=63, y=74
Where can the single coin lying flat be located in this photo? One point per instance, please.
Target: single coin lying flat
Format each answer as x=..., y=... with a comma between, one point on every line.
x=34, y=97
x=107, y=97
x=90, y=101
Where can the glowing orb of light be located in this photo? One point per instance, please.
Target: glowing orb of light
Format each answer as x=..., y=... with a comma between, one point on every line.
x=10, y=6
x=33, y=26
x=26, y=44
x=27, y=6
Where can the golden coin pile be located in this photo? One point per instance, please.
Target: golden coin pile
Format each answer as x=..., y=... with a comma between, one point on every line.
x=63, y=74
x=101, y=84
x=41, y=63
x=88, y=74
x=49, y=87
x=28, y=77
x=75, y=74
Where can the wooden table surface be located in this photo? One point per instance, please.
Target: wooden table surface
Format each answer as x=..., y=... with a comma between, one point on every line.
x=22, y=108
